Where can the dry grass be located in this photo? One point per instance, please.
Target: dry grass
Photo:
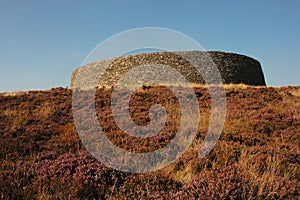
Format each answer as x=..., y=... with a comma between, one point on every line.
x=184, y=176
x=16, y=118
x=267, y=178
x=191, y=85
x=6, y=94
x=296, y=92
x=19, y=117
x=229, y=86
x=43, y=111
x=44, y=196
x=68, y=133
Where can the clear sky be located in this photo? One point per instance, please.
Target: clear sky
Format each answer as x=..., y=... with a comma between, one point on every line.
x=42, y=42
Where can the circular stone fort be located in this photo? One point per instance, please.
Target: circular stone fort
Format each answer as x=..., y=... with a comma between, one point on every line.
x=233, y=68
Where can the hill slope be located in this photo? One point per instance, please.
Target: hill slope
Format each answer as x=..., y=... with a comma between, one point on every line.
x=257, y=155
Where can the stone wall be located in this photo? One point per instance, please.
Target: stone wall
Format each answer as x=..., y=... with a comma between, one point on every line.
x=234, y=68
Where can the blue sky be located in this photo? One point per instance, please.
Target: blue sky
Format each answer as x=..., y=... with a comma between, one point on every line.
x=42, y=42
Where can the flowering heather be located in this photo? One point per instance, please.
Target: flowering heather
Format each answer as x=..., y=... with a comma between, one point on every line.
x=256, y=157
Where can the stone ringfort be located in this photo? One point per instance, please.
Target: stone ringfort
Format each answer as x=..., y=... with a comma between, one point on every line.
x=234, y=68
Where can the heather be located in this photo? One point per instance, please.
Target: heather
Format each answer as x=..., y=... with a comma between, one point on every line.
x=256, y=157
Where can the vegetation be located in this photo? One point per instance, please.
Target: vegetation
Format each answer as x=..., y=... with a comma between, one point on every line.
x=256, y=157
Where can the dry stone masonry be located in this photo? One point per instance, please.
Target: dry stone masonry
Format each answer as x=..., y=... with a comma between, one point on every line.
x=234, y=68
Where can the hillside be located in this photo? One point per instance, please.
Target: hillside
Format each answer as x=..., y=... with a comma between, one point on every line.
x=256, y=157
